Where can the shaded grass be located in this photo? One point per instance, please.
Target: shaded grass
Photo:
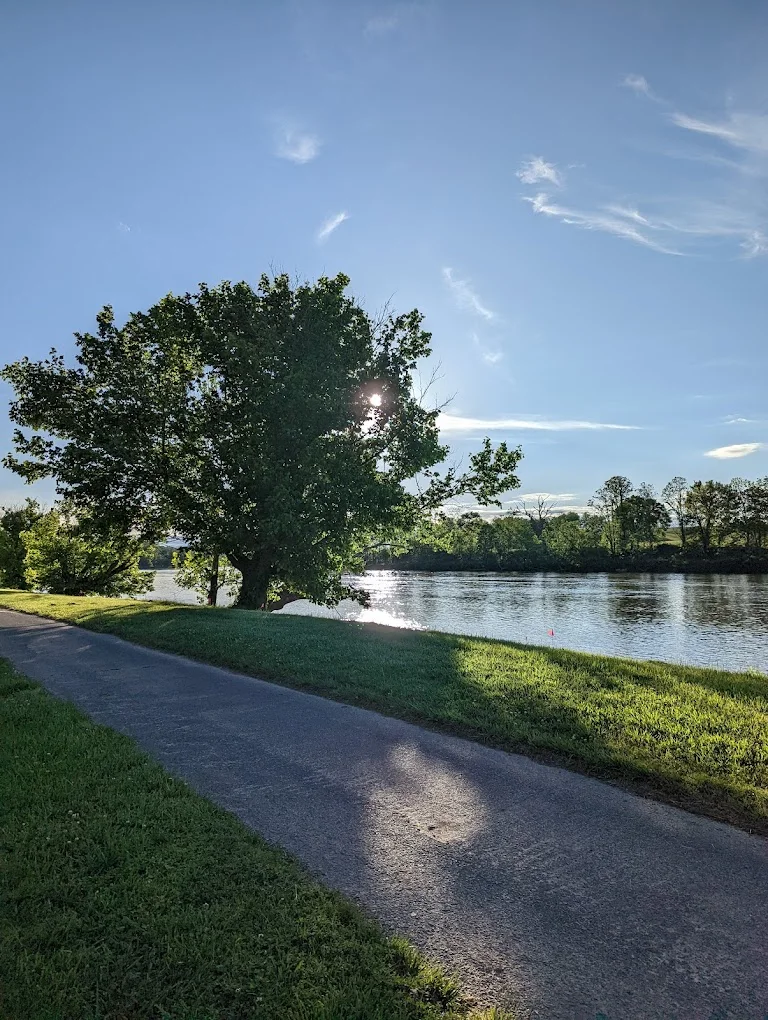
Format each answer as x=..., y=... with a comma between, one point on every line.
x=693, y=737
x=125, y=896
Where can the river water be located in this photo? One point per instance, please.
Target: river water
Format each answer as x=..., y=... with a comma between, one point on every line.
x=718, y=620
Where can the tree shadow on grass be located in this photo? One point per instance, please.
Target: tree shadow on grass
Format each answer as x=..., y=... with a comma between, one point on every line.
x=558, y=706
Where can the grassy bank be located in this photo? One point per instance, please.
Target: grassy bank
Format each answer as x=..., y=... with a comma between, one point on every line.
x=126, y=896
x=693, y=737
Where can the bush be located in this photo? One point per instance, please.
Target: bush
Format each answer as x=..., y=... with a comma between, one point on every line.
x=14, y=521
x=70, y=555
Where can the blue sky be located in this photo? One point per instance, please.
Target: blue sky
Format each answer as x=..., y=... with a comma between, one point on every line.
x=574, y=195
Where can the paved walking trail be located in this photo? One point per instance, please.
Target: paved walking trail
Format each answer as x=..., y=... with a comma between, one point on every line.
x=542, y=888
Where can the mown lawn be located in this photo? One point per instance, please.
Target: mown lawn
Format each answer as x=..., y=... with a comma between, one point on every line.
x=693, y=737
x=126, y=896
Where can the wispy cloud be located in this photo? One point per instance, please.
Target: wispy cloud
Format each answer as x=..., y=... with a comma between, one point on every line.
x=733, y=419
x=465, y=296
x=489, y=356
x=692, y=223
x=535, y=170
x=732, y=452
x=558, y=502
x=550, y=497
x=741, y=213
x=382, y=24
x=398, y=17
x=628, y=213
x=458, y=424
x=492, y=357
x=741, y=130
x=754, y=244
x=457, y=507
x=615, y=220
x=297, y=146
x=639, y=84
x=123, y=228
x=330, y=225
x=724, y=210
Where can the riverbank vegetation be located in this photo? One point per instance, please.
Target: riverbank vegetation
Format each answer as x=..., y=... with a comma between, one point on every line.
x=693, y=737
x=706, y=527
x=125, y=894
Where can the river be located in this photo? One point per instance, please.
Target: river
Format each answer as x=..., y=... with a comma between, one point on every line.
x=718, y=620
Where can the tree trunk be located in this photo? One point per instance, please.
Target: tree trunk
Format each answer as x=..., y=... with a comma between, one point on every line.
x=705, y=536
x=213, y=580
x=257, y=572
x=682, y=531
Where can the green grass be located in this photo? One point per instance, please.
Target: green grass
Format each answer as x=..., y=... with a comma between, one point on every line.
x=126, y=896
x=693, y=737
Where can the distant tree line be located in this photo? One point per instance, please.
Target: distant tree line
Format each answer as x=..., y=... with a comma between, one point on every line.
x=699, y=527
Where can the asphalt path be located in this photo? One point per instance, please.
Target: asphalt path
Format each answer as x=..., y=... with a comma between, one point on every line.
x=546, y=891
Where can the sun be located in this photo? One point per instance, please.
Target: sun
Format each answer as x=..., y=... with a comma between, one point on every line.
x=375, y=400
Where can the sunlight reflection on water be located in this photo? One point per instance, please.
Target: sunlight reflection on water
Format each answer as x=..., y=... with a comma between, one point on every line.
x=349, y=610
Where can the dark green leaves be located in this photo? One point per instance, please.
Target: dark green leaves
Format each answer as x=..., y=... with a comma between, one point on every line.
x=276, y=424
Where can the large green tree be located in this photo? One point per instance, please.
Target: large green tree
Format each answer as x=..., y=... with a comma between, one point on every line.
x=275, y=425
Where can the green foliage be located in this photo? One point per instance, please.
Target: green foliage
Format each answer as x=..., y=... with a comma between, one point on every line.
x=66, y=554
x=14, y=521
x=276, y=424
x=733, y=513
x=607, y=503
x=568, y=536
x=205, y=574
x=674, y=495
x=642, y=520
x=627, y=527
x=509, y=535
x=468, y=535
x=158, y=557
x=706, y=504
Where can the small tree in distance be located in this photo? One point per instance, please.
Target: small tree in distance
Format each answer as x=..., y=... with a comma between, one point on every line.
x=674, y=495
x=206, y=574
x=608, y=502
x=539, y=513
x=704, y=502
